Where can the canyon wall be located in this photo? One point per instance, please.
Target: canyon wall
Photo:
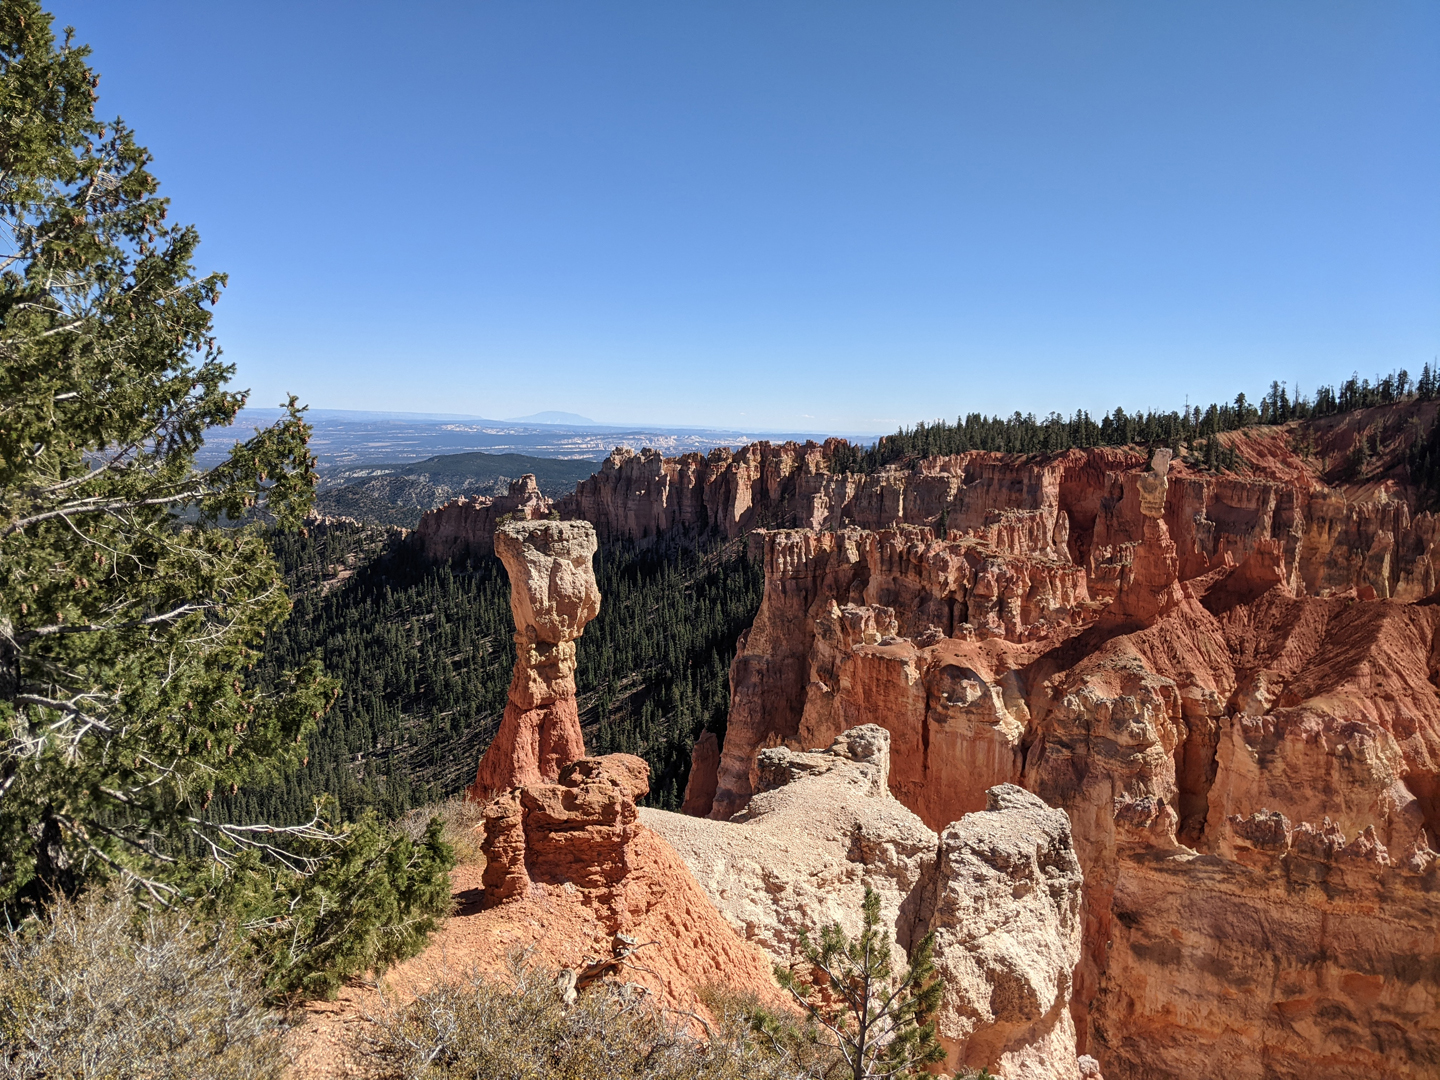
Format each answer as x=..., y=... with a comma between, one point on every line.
x=1332, y=530
x=466, y=526
x=1228, y=684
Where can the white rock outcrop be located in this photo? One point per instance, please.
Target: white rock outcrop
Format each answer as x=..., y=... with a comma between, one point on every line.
x=1006, y=918
x=801, y=854
x=1000, y=889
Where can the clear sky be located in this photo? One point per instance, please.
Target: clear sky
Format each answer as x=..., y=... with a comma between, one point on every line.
x=795, y=215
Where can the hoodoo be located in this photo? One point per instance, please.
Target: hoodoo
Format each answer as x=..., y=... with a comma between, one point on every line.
x=553, y=594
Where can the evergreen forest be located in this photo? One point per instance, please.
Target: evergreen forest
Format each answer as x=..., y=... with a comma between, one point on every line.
x=1190, y=427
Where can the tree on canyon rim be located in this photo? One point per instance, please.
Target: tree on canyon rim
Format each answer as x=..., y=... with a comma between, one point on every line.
x=131, y=604
x=881, y=1022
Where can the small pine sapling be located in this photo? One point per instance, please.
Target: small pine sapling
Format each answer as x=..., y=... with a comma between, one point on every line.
x=882, y=1022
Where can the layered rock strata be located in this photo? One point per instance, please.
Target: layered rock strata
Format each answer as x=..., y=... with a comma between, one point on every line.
x=1296, y=500
x=859, y=622
x=553, y=594
x=1226, y=681
x=1000, y=889
x=466, y=526
x=1251, y=770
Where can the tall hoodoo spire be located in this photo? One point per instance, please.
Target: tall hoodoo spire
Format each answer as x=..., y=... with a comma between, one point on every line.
x=553, y=594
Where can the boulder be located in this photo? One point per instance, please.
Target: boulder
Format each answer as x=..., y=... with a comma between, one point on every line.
x=1006, y=920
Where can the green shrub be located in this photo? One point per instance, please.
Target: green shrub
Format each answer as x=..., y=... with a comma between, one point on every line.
x=779, y=1032
x=361, y=907
x=459, y=818
x=136, y=586
x=98, y=989
x=882, y=1020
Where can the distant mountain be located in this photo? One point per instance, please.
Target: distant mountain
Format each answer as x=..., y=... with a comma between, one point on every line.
x=553, y=417
x=397, y=494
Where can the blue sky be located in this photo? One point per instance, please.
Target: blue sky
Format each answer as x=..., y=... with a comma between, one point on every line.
x=802, y=216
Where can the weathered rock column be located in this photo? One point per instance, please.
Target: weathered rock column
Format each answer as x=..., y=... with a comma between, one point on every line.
x=553, y=595
x=1150, y=574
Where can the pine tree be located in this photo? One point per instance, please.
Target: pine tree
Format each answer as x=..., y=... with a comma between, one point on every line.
x=131, y=607
x=881, y=1021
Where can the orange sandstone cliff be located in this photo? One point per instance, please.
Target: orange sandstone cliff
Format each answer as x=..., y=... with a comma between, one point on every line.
x=1228, y=683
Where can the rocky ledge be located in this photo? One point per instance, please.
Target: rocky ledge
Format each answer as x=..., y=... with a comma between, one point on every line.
x=1000, y=889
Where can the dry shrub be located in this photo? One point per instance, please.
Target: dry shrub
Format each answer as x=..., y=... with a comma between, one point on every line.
x=458, y=817
x=780, y=1034
x=98, y=990
x=523, y=1030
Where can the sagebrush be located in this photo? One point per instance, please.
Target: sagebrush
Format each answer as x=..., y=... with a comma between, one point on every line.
x=98, y=989
x=522, y=1029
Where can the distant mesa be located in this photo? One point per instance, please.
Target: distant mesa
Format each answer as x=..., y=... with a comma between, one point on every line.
x=551, y=417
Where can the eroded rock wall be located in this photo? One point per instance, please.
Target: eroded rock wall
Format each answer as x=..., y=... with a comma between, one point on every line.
x=898, y=622
x=1295, y=501
x=1227, y=682
x=466, y=526
x=1250, y=770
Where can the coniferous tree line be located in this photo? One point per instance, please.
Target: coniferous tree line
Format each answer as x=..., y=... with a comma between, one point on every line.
x=1424, y=464
x=1193, y=427
x=423, y=654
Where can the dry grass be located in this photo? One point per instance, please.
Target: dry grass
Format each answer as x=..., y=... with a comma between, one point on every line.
x=521, y=1029
x=459, y=816
x=98, y=990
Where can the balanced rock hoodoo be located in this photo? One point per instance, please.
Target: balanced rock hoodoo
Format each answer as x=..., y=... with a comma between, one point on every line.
x=553, y=595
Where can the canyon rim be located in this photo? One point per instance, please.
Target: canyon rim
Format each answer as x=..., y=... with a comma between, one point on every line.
x=1227, y=683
